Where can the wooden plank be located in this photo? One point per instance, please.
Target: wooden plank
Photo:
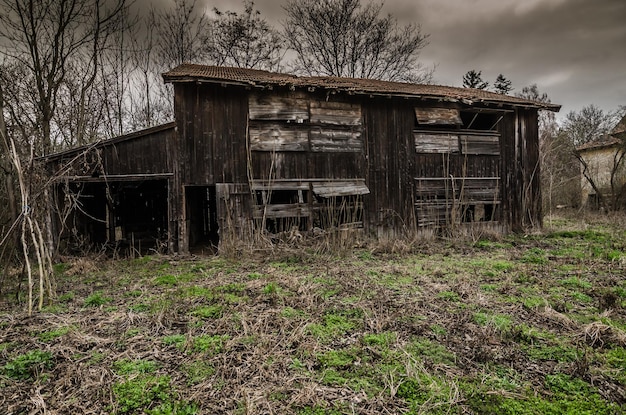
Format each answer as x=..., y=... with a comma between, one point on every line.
x=476, y=190
x=436, y=142
x=438, y=116
x=335, y=140
x=340, y=188
x=480, y=144
x=279, y=137
x=269, y=106
x=336, y=113
x=279, y=185
x=292, y=210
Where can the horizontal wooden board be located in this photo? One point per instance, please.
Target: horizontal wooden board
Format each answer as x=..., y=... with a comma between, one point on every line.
x=336, y=113
x=292, y=210
x=480, y=144
x=340, y=188
x=438, y=116
x=263, y=106
x=335, y=140
x=436, y=142
x=476, y=190
x=279, y=137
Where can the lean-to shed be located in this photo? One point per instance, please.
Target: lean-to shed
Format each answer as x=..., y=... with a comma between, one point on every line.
x=252, y=150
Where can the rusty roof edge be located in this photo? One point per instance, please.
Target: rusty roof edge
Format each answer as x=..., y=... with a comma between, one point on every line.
x=301, y=82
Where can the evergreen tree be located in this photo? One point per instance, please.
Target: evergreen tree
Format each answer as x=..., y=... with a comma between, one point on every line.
x=473, y=79
x=502, y=85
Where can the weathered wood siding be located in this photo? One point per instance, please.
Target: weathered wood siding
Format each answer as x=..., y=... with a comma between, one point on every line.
x=320, y=138
x=388, y=129
x=211, y=122
x=142, y=153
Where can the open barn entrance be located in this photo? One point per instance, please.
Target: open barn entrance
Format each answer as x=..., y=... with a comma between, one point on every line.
x=118, y=214
x=202, y=217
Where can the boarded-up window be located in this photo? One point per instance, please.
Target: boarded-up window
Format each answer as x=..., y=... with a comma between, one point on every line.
x=278, y=107
x=340, y=188
x=278, y=137
x=328, y=139
x=480, y=144
x=429, y=142
x=335, y=113
x=438, y=116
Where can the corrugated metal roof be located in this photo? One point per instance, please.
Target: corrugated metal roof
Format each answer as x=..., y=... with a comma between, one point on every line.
x=191, y=72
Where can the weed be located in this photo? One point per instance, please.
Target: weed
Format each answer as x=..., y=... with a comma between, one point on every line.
x=48, y=336
x=449, y=296
x=489, y=287
x=96, y=299
x=423, y=348
x=27, y=365
x=210, y=344
x=438, y=330
x=289, y=312
x=127, y=366
x=176, y=408
x=576, y=282
x=166, y=280
x=341, y=359
x=502, y=265
x=197, y=292
x=532, y=303
x=535, y=256
x=198, y=371
x=383, y=340
x=502, y=323
x=177, y=340
x=580, y=297
x=335, y=324
x=255, y=276
x=141, y=392
x=271, y=289
x=209, y=312
x=67, y=297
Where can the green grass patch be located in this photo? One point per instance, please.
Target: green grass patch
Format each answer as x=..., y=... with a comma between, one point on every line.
x=210, y=344
x=96, y=299
x=209, y=312
x=50, y=335
x=28, y=365
x=128, y=366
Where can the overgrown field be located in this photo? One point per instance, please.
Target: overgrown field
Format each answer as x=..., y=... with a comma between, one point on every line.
x=531, y=324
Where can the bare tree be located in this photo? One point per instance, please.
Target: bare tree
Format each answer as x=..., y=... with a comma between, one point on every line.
x=183, y=32
x=45, y=35
x=246, y=40
x=560, y=180
x=346, y=38
x=588, y=124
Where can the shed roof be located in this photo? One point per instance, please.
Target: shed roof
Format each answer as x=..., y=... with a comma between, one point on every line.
x=253, y=77
x=600, y=142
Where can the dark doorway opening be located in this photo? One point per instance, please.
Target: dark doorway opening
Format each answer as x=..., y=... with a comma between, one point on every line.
x=203, y=226
x=116, y=214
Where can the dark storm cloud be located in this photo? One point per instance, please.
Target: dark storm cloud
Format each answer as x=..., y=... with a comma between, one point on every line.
x=573, y=49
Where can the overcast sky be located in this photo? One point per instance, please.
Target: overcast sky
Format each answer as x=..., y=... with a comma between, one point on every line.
x=574, y=50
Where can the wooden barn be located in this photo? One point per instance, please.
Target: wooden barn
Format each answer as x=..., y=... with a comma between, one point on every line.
x=252, y=150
